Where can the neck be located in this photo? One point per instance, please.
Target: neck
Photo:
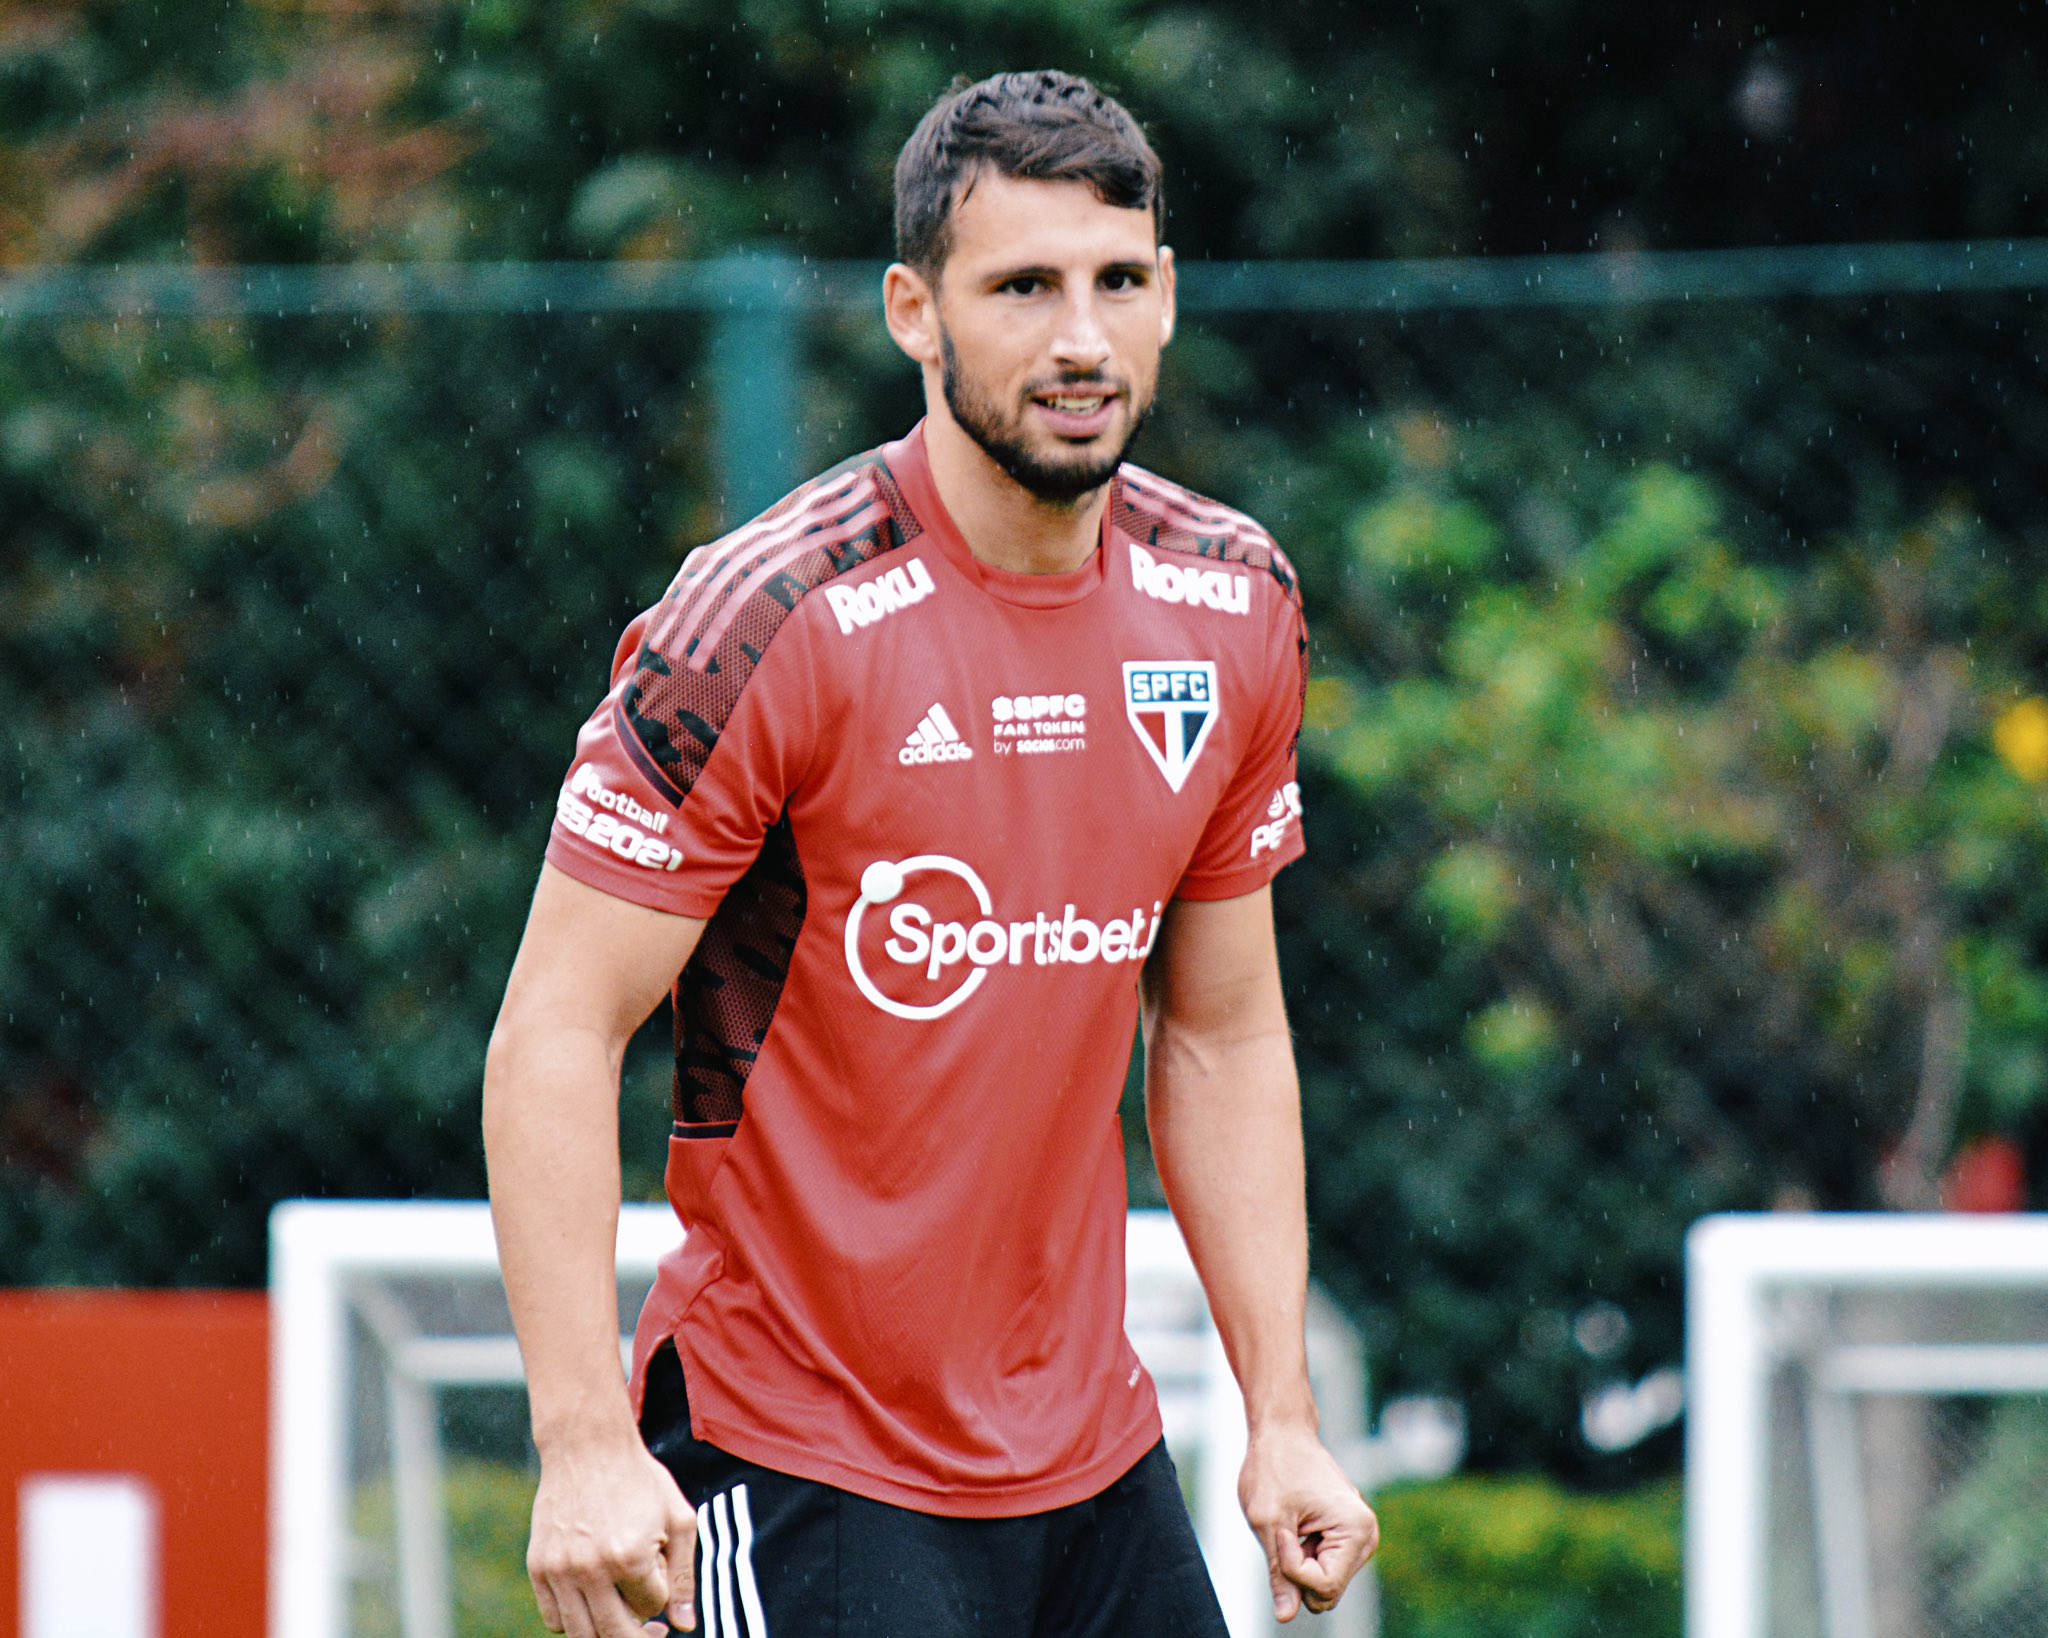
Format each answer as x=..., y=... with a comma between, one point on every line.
x=1003, y=523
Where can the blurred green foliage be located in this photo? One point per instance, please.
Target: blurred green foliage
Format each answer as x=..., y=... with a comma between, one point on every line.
x=294, y=688
x=294, y=131
x=1989, y=1570
x=1686, y=878
x=1465, y=1558
x=1674, y=760
x=1522, y=1558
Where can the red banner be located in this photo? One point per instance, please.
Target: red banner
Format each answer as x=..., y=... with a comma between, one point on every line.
x=134, y=1440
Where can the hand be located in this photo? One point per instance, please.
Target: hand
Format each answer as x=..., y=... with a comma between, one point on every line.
x=1311, y=1520
x=614, y=1543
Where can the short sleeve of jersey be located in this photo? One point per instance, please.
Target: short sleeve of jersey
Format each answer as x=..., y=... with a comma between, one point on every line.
x=680, y=772
x=1255, y=830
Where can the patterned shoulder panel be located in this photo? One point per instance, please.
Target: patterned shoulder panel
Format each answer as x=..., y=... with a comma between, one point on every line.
x=1168, y=517
x=704, y=639
x=701, y=645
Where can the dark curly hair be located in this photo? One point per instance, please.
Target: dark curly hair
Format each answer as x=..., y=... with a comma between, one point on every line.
x=1044, y=126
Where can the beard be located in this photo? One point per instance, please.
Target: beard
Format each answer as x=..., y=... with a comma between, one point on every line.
x=1057, y=481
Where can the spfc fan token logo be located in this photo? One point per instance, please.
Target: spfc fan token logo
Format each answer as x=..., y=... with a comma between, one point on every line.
x=1172, y=704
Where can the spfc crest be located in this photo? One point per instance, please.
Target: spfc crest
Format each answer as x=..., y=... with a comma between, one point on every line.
x=1172, y=705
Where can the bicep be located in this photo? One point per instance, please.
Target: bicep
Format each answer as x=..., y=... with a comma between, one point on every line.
x=1216, y=970
x=590, y=960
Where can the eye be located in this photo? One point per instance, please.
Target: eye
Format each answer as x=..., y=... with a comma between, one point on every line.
x=1024, y=284
x=1123, y=279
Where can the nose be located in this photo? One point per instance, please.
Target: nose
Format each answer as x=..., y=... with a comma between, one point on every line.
x=1080, y=344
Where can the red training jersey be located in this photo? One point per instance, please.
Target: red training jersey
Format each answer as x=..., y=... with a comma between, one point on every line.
x=932, y=812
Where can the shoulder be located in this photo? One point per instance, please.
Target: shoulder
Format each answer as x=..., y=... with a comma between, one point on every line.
x=751, y=580
x=1167, y=517
x=733, y=595
x=686, y=662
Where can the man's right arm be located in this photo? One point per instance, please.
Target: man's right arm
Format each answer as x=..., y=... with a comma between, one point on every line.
x=612, y=1536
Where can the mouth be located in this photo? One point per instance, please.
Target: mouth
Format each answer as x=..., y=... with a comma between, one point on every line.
x=1078, y=412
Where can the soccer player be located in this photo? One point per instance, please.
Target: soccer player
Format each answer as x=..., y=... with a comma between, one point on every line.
x=914, y=793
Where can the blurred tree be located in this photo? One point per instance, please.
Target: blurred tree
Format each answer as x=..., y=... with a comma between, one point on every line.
x=1674, y=764
x=1691, y=883
x=225, y=132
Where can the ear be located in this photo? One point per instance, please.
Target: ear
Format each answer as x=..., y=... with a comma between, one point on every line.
x=1168, y=282
x=910, y=307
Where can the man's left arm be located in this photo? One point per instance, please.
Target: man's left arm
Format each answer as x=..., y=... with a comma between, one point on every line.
x=1224, y=1110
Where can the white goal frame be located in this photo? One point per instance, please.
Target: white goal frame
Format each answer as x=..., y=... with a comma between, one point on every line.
x=327, y=1258
x=1739, y=1270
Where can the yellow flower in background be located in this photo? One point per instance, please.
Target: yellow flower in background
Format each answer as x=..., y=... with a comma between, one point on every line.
x=2020, y=737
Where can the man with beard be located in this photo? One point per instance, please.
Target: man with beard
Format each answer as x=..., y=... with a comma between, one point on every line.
x=914, y=793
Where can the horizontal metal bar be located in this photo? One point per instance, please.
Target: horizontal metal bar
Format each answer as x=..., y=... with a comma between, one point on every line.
x=471, y=1362
x=1616, y=278
x=765, y=283
x=775, y=282
x=1934, y=1368
x=1768, y=1254
x=485, y=1361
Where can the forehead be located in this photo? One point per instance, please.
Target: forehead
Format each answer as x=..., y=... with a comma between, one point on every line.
x=1009, y=221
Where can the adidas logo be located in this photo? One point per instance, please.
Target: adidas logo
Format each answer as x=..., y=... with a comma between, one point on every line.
x=936, y=740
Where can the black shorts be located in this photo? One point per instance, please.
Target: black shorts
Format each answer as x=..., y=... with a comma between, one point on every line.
x=783, y=1557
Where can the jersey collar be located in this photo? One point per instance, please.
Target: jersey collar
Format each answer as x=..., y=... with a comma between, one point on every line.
x=911, y=467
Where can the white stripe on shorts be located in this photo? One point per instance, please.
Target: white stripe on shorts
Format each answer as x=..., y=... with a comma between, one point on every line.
x=750, y=1594
x=707, y=1592
x=725, y=1552
x=728, y=1617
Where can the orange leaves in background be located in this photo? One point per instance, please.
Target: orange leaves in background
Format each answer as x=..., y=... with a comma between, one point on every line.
x=322, y=139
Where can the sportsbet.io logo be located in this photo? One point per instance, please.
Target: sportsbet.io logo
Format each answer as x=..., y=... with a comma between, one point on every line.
x=937, y=953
